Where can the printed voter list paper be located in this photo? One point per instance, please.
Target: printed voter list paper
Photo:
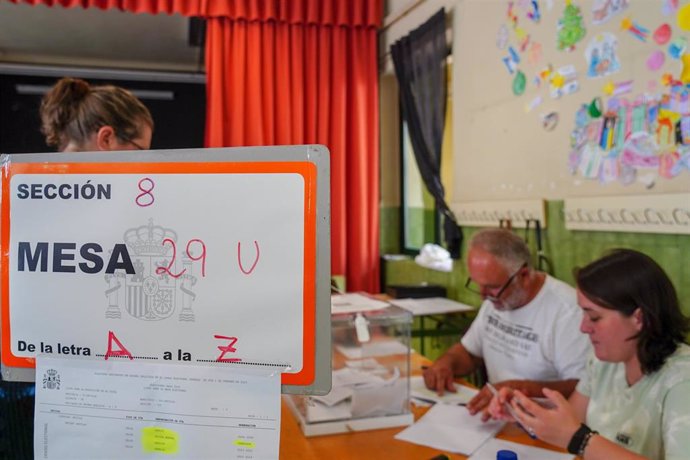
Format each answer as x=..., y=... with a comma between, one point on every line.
x=115, y=409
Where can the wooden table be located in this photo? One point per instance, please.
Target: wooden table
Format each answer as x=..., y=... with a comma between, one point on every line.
x=372, y=444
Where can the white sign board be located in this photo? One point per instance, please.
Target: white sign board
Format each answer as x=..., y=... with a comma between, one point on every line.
x=163, y=260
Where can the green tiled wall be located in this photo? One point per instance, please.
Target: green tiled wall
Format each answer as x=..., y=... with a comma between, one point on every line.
x=565, y=248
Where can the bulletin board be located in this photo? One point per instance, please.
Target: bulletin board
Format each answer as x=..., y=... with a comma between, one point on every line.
x=529, y=76
x=181, y=256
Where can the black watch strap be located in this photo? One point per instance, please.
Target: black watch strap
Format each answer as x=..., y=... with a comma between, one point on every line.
x=577, y=439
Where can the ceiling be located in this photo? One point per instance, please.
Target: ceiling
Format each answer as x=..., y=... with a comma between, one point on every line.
x=57, y=36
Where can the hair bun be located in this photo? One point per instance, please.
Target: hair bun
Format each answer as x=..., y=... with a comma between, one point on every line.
x=77, y=87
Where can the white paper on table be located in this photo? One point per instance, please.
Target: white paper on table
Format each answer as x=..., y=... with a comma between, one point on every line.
x=97, y=409
x=380, y=400
x=317, y=412
x=489, y=449
x=354, y=303
x=336, y=395
x=418, y=390
x=369, y=365
x=450, y=428
x=431, y=306
x=347, y=376
x=373, y=348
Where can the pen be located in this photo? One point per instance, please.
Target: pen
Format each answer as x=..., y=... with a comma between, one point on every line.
x=511, y=411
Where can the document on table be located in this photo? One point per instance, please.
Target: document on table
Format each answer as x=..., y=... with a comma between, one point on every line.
x=431, y=306
x=418, y=390
x=354, y=303
x=489, y=449
x=97, y=409
x=450, y=428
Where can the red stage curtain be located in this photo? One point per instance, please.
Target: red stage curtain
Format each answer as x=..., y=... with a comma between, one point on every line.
x=277, y=83
x=296, y=72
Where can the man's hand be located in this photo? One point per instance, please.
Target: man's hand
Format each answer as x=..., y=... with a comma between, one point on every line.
x=439, y=376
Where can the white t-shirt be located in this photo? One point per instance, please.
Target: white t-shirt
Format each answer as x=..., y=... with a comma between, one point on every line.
x=651, y=417
x=538, y=341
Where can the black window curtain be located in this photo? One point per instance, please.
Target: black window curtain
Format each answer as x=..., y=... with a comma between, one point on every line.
x=420, y=67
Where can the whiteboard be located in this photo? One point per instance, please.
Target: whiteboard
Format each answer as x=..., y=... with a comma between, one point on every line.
x=187, y=256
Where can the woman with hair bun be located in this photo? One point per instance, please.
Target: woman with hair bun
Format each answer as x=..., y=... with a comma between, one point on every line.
x=634, y=401
x=78, y=117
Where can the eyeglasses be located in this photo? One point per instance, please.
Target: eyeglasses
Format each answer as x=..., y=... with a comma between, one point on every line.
x=139, y=147
x=472, y=286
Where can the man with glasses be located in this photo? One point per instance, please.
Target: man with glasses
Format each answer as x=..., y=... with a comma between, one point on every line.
x=526, y=333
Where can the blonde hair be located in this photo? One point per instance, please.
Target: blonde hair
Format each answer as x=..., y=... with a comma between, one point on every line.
x=73, y=110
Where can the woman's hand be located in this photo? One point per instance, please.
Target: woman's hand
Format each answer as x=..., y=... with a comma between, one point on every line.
x=556, y=425
x=497, y=406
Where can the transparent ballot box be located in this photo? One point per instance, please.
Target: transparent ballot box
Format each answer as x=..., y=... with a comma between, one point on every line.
x=371, y=368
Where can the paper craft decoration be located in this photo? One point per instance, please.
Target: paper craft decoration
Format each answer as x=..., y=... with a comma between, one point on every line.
x=549, y=121
x=619, y=88
x=635, y=141
x=685, y=73
x=601, y=56
x=519, y=83
x=603, y=10
x=684, y=17
x=677, y=47
x=512, y=60
x=534, y=54
x=533, y=12
x=571, y=27
x=656, y=60
x=533, y=104
x=662, y=34
x=502, y=37
x=635, y=29
x=670, y=7
x=563, y=81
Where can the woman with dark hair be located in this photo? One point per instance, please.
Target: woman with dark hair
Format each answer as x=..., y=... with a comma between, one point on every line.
x=634, y=401
x=78, y=117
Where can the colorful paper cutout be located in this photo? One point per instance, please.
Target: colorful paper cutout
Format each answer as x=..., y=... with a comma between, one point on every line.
x=685, y=73
x=601, y=55
x=519, y=83
x=534, y=13
x=534, y=54
x=670, y=7
x=667, y=164
x=534, y=103
x=656, y=60
x=619, y=88
x=603, y=10
x=502, y=37
x=512, y=60
x=635, y=29
x=677, y=47
x=571, y=28
x=683, y=17
x=662, y=34
x=594, y=108
x=549, y=121
x=563, y=81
